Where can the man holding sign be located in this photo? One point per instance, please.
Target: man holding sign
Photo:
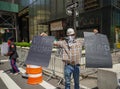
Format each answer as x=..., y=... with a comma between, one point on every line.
x=71, y=48
x=97, y=53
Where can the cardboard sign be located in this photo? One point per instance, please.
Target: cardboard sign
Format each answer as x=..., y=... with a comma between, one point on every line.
x=40, y=51
x=97, y=51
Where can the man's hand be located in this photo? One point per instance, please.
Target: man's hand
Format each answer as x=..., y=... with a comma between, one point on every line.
x=43, y=34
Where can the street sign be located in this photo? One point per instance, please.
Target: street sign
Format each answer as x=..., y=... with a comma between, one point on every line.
x=70, y=12
x=72, y=5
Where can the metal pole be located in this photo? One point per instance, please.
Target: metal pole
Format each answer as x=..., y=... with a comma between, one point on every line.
x=74, y=16
x=71, y=7
x=15, y=27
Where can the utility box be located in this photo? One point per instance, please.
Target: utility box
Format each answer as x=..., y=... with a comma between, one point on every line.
x=109, y=78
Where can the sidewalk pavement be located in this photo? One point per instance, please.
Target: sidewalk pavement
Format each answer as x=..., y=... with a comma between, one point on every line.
x=88, y=76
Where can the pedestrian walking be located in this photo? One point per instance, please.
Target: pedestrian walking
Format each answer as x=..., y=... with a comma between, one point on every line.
x=72, y=50
x=13, y=55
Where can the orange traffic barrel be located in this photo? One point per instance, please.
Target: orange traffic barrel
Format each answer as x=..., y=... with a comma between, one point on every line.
x=34, y=74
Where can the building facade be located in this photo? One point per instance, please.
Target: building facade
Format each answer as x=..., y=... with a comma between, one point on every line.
x=103, y=15
x=50, y=16
x=47, y=16
x=8, y=19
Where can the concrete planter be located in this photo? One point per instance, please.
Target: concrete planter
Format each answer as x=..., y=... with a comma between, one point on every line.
x=109, y=78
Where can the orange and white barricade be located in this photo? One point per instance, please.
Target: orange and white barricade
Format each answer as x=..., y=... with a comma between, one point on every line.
x=34, y=74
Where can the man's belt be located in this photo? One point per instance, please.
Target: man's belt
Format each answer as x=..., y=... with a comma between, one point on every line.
x=71, y=63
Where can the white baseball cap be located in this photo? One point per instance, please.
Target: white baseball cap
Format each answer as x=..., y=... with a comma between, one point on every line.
x=70, y=31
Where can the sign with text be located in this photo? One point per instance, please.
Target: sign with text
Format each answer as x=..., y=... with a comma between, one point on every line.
x=97, y=51
x=40, y=51
x=56, y=26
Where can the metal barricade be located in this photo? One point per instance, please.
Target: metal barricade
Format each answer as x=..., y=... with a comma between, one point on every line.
x=55, y=67
x=22, y=52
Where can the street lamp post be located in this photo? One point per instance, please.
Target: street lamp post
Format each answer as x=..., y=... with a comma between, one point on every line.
x=74, y=16
x=71, y=10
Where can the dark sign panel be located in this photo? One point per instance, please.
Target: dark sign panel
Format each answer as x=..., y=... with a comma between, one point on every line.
x=97, y=51
x=40, y=51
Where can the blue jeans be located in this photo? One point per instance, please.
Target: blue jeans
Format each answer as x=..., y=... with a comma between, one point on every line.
x=14, y=66
x=68, y=71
